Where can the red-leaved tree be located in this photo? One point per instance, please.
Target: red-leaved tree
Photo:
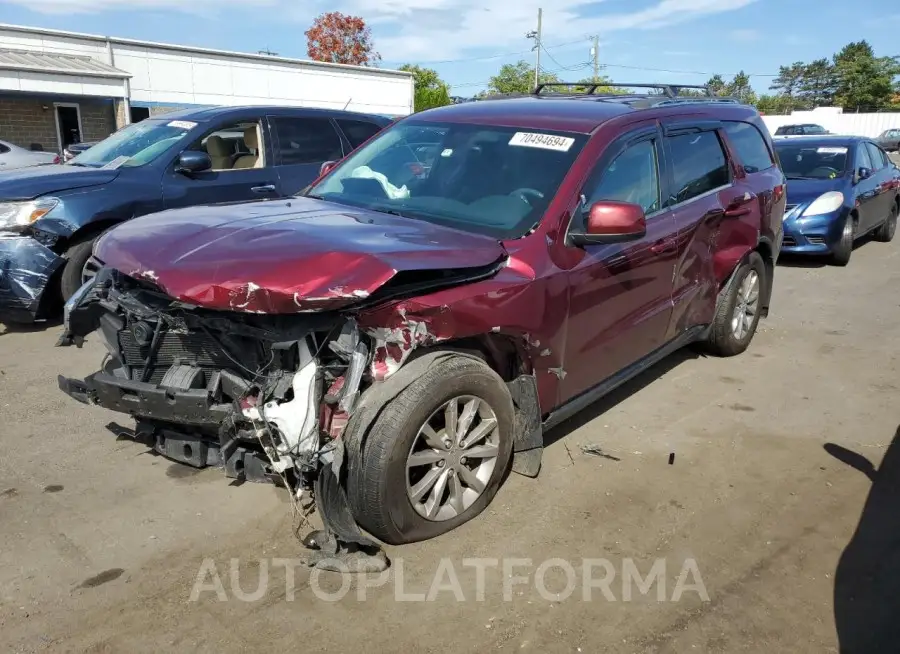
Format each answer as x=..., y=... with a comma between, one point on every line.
x=341, y=39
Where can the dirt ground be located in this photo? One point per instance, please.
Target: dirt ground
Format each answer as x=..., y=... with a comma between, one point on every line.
x=101, y=542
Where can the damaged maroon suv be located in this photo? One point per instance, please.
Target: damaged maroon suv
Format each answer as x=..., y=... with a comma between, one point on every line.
x=404, y=332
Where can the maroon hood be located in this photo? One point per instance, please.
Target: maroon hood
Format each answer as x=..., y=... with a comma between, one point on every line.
x=284, y=256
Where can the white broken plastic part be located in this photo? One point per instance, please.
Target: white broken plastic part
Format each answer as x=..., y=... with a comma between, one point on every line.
x=296, y=420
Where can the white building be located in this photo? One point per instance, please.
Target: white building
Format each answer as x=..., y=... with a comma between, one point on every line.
x=62, y=87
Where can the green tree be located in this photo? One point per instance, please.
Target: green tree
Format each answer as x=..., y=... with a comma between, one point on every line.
x=516, y=78
x=789, y=80
x=818, y=84
x=430, y=90
x=864, y=82
x=777, y=105
x=582, y=85
x=716, y=84
x=739, y=87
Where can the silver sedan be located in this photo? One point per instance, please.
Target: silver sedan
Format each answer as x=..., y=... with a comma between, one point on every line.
x=13, y=156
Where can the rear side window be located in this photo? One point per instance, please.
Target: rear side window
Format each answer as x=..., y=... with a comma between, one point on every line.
x=3, y=149
x=750, y=146
x=876, y=155
x=698, y=163
x=358, y=131
x=305, y=141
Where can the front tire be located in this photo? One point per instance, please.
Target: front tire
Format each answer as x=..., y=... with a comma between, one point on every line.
x=738, y=309
x=840, y=256
x=72, y=275
x=885, y=232
x=417, y=476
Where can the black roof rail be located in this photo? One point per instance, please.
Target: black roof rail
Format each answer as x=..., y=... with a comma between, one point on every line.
x=669, y=90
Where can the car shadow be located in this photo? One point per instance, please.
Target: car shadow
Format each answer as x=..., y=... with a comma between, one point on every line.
x=622, y=393
x=790, y=260
x=7, y=328
x=867, y=580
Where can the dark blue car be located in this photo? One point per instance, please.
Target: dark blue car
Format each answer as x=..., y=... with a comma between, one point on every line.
x=51, y=215
x=839, y=189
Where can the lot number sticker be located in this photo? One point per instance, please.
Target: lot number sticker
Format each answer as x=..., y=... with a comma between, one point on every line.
x=832, y=150
x=182, y=124
x=543, y=141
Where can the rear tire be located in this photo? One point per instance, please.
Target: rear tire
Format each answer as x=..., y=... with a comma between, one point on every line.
x=885, y=232
x=385, y=477
x=77, y=256
x=840, y=256
x=738, y=309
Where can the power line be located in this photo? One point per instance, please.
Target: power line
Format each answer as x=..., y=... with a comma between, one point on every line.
x=688, y=72
x=575, y=67
x=486, y=57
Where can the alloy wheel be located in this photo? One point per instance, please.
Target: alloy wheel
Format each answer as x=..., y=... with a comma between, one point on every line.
x=452, y=458
x=89, y=270
x=746, y=306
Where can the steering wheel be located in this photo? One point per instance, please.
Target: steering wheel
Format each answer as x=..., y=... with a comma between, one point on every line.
x=524, y=193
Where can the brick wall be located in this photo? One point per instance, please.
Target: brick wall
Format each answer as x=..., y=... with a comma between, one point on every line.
x=154, y=111
x=23, y=121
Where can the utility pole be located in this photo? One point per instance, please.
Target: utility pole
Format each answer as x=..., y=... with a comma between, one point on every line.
x=536, y=35
x=596, y=53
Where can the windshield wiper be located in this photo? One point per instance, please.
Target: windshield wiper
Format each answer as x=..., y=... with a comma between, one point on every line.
x=801, y=177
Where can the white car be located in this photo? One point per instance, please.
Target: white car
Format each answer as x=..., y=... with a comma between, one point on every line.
x=12, y=156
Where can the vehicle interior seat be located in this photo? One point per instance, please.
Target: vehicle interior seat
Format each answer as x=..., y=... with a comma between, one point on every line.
x=219, y=153
x=251, y=140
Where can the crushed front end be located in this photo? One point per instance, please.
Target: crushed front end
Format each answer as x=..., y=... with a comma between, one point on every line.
x=264, y=397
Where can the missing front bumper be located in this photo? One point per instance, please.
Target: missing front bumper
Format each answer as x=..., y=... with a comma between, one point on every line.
x=145, y=400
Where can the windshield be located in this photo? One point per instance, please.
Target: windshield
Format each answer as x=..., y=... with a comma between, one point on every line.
x=135, y=145
x=491, y=180
x=812, y=161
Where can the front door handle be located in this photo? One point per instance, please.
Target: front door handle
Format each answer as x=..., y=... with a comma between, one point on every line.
x=663, y=245
x=268, y=188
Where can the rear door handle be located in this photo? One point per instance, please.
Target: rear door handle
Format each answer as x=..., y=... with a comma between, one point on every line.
x=740, y=206
x=268, y=188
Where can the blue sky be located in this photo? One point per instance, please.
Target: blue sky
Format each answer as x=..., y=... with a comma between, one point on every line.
x=466, y=41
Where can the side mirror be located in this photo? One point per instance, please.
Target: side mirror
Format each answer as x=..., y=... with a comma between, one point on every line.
x=193, y=161
x=863, y=173
x=611, y=222
x=327, y=167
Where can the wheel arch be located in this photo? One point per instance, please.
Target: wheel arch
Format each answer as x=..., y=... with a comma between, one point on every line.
x=766, y=250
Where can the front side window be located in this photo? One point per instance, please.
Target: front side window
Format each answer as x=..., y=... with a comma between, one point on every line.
x=480, y=178
x=812, y=161
x=135, y=145
x=699, y=164
x=305, y=141
x=633, y=176
x=750, y=146
x=233, y=147
x=875, y=155
x=862, y=157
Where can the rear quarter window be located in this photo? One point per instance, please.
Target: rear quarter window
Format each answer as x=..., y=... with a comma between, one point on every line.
x=750, y=146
